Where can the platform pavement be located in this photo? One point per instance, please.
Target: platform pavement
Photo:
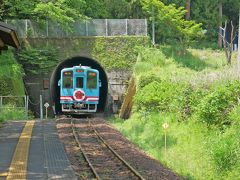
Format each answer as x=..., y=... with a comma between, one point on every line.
x=46, y=159
x=9, y=135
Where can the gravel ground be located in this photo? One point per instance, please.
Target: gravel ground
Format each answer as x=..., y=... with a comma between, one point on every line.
x=147, y=167
x=73, y=152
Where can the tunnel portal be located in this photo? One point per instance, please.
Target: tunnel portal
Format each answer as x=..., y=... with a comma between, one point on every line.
x=76, y=61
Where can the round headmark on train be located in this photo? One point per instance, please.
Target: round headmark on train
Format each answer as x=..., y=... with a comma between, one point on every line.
x=78, y=95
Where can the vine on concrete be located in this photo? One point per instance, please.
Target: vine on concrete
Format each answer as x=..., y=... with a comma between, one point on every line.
x=111, y=52
x=40, y=60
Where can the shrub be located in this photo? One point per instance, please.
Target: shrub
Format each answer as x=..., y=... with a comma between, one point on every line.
x=187, y=101
x=8, y=113
x=5, y=86
x=234, y=115
x=216, y=106
x=153, y=56
x=158, y=96
x=226, y=149
x=147, y=79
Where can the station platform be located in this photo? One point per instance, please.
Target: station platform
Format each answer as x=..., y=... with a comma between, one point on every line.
x=32, y=150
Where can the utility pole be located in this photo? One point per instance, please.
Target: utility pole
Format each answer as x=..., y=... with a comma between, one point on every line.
x=220, y=24
x=153, y=26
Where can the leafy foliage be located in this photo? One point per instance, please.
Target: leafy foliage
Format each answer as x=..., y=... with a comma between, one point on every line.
x=5, y=86
x=10, y=113
x=150, y=98
x=116, y=52
x=61, y=11
x=207, y=13
x=173, y=18
x=147, y=79
x=11, y=74
x=226, y=151
x=64, y=11
x=96, y=9
x=35, y=60
x=216, y=106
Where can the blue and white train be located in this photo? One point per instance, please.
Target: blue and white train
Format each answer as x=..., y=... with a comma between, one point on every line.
x=79, y=90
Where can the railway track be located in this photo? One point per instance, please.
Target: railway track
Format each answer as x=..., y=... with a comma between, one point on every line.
x=102, y=160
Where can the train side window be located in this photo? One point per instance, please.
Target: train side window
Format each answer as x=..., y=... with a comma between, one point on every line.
x=91, y=80
x=79, y=82
x=68, y=79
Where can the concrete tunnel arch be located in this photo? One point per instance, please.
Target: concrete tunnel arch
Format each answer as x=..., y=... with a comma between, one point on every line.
x=75, y=61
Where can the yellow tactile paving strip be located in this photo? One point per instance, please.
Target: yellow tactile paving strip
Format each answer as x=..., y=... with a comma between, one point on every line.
x=3, y=174
x=18, y=167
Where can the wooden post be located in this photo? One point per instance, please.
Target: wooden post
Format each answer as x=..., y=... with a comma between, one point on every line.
x=165, y=131
x=188, y=8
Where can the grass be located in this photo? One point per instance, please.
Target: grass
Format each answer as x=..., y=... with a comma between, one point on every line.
x=194, y=59
x=11, y=84
x=187, y=143
x=195, y=149
x=10, y=113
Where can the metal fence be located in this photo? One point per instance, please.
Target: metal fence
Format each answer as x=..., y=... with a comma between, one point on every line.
x=14, y=102
x=94, y=27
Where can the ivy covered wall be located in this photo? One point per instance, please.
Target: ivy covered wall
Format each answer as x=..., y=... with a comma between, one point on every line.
x=11, y=74
x=41, y=55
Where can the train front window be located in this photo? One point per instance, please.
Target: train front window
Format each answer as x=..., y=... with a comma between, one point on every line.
x=91, y=80
x=68, y=79
x=79, y=82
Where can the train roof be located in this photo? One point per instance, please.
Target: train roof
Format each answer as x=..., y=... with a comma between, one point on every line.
x=76, y=67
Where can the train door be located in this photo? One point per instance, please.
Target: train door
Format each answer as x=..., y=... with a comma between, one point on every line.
x=79, y=82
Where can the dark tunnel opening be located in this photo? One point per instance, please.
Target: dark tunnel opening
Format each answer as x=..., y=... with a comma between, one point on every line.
x=75, y=61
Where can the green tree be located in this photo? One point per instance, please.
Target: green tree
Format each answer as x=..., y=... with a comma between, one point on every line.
x=118, y=9
x=17, y=9
x=96, y=9
x=207, y=13
x=135, y=9
x=172, y=18
x=62, y=11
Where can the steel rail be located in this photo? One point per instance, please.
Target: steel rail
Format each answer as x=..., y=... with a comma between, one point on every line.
x=116, y=154
x=83, y=152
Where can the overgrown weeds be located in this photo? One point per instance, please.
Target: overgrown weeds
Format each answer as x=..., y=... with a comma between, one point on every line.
x=11, y=113
x=199, y=96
